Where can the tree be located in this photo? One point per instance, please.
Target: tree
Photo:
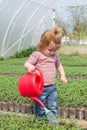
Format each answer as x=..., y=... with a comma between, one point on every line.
x=78, y=20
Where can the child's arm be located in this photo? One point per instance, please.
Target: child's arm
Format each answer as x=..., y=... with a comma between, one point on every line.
x=62, y=74
x=29, y=67
x=31, y=62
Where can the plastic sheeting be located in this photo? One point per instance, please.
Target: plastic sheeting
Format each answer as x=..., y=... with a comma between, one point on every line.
x=23, y=21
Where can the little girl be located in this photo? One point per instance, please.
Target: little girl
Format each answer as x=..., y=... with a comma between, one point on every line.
x=47, y=59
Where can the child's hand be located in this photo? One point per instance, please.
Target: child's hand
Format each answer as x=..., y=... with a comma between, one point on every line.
x=31, y=68
x=63, y=79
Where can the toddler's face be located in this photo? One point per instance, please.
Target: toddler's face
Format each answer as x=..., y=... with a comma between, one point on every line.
x=51, y=49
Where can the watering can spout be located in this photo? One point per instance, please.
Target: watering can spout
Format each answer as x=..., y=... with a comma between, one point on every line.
x=38, y=101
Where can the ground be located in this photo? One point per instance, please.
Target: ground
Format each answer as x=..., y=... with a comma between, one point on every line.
x=82, y=123
x=79, y=49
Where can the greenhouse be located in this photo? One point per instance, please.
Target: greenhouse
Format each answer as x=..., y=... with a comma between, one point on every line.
x=25, y=73
x=23, y=21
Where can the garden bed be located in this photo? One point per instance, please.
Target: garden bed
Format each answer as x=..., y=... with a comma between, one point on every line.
x=72, y=96
x=9, y=121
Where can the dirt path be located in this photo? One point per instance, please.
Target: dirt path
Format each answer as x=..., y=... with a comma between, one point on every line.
x=74, y=49
x=80, y=123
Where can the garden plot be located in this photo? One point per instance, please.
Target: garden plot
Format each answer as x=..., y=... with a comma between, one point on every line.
x=73, y=94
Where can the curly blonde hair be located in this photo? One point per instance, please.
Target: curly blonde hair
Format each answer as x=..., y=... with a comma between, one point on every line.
x=54, y=35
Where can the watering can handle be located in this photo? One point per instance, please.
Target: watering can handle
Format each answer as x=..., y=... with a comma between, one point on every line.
x=38, y=69
x=41, y=74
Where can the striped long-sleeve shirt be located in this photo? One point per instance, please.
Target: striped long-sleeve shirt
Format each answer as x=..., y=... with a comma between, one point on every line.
x=47, y=64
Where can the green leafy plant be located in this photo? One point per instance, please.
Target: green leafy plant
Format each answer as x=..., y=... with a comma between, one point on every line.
x=1, y=58
x=24, y=53
x=29, y=122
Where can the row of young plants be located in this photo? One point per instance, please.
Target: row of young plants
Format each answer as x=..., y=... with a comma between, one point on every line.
x=72, y=94
x=81, y=70
x=19, y=69
x=29, y=122
x=65, y=59
x=16, y=65
x=78, y=60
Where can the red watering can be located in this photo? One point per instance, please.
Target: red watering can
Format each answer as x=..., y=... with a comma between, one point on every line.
x=31, y=85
